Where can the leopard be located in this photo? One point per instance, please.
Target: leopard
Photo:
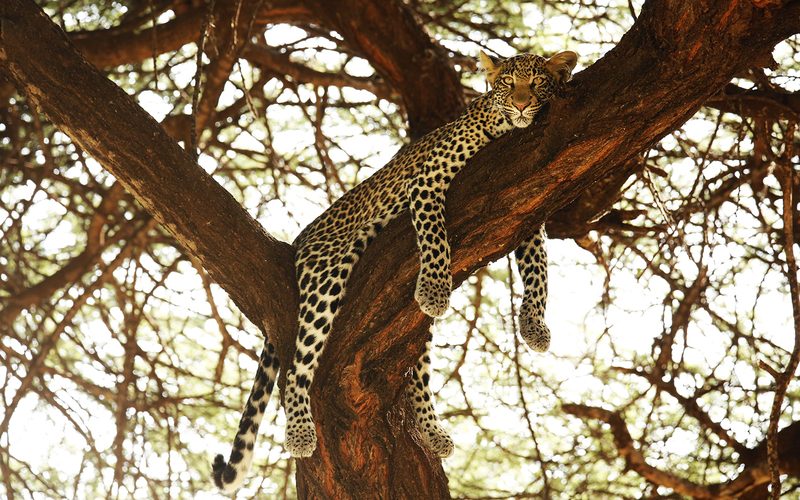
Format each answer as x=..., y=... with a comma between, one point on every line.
x=416, y=181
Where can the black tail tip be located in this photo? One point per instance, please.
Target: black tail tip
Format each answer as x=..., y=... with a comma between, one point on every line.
x=218, y=468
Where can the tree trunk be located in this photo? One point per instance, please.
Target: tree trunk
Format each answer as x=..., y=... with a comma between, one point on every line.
x=677, y=55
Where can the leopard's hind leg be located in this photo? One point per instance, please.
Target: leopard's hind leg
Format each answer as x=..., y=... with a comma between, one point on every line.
x=229, y=476
x=531, y=258
x=418, y=390
x=322, y=283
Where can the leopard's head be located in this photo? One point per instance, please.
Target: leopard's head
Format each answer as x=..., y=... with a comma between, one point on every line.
x=522, y=84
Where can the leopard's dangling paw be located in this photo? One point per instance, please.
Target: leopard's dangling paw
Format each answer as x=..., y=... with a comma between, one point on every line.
x=301, y=437
x=534, y=332
x=433, y=295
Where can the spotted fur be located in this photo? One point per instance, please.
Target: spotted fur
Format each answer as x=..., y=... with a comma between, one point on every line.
x=416, y=180
x=418, y=390
x=531, y=258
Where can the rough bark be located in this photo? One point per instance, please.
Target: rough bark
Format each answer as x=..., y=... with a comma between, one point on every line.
x=678, y=54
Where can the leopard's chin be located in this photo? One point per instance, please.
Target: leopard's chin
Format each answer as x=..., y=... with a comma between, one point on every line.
x=521, y=121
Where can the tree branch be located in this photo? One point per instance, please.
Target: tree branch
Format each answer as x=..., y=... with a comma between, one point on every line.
x=96, y=242
x=130, y=44
x=690, y=405
x=652, y=82
x=759, y=103
x=754, y=474
x=275, y=62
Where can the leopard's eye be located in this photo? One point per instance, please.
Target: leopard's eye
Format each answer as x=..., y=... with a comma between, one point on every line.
x=508, y=80
x=537, y=81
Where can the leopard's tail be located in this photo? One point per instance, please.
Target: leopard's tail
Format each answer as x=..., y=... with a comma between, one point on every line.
x=229, y=476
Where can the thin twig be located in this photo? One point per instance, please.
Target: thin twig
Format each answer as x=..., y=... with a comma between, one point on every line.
x=633, y=10
x=201, y=47
x=155, y=45
x=248, y=98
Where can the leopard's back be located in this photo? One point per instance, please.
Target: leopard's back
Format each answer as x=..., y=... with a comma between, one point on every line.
x=378, y=199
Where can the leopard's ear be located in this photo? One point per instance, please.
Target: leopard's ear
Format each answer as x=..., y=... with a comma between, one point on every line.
x=491, y=66
x=562, y=64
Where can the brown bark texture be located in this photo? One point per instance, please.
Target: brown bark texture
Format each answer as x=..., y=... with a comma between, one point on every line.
x=676, y=57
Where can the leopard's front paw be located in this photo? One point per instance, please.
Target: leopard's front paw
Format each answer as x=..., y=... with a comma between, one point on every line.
x=433, y=295
x=534, y=332
x=301, y=437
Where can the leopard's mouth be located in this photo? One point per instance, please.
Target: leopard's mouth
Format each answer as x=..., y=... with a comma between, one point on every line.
x=521, y=121
x=519, y=118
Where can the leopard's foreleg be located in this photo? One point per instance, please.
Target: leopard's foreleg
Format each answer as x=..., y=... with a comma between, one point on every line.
x=531, y=258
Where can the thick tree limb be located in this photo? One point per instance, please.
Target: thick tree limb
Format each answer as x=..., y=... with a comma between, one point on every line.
x=591, y=210
x=760, y=103
x=115, y=47
x=130, y=44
